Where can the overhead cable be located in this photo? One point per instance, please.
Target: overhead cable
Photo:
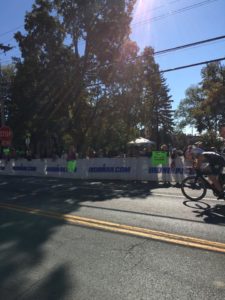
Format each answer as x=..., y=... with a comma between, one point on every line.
x=173, y=12
x=189, y=45
x=193, y=65
x=4, y=33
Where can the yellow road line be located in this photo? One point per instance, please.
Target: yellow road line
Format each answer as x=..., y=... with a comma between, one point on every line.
x=126, y=229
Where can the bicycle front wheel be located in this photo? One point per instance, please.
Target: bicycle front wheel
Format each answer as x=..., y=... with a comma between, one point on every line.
x=193, y=188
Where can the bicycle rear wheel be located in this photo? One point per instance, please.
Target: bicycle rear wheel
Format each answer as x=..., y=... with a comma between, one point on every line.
x=193, y=188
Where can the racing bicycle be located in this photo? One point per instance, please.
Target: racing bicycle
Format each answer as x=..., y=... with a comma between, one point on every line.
x=195, y=187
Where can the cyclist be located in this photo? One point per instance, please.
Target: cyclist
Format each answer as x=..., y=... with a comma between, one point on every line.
x=214, y=165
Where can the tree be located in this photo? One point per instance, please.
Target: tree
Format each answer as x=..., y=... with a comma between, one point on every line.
x=204, y=104
x=98, y=31
x=5, y=48
x=117, y=115
x=156, y=109
x=213, y=86
x=38, y=85
x=7, y=74
x=68, y=56
x=189, y=107
x=137, y=97
x=81, y=78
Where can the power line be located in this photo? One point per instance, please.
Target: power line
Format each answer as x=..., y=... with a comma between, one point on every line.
x=155, y=8
x=178, y=11
x=157, y=18
x=189, y=45
x=196, y=5
x=193, y=65
x=179, y=48
x=11, y=30
x=160, y=52
x=143, y=22
x=182, y=67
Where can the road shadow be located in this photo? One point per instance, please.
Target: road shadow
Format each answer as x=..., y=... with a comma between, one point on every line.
x=26, y=271
x=66, y=195
x=55, y=285
x=24, y=237
x=214, y=215
x=209, y=214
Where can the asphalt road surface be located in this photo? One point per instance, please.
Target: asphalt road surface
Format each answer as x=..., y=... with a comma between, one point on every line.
x=70, y=239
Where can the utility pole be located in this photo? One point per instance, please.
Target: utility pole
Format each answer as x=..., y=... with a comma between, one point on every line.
x=4, y=48
x=5, y=84
x=2, y=112
x=2, y=98
x=156, y=111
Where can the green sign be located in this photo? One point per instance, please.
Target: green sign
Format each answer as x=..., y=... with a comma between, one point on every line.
x=6, y=151
x=159, y=158
x=71, y=165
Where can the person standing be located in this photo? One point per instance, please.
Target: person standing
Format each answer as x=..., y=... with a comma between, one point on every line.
x=222, y=134
x=166, y=177
x=71, y=159
x=222, y=130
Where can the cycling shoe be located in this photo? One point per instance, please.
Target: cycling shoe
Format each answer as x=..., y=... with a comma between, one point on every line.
x=221, y=196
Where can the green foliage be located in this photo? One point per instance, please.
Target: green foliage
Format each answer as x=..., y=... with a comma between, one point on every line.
x=180, y=140
x=156, y=108
x=83, y=80
x=210, y=139
x=5, y=48
x=7, y=75
x=204, y=104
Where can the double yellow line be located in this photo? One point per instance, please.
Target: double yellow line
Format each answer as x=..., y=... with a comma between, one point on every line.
x=125, y=229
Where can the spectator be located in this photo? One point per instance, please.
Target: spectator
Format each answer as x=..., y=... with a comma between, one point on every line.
x=28, y=154
x=188, y=153
x=166, y=178
x=188, y=159
x=222, y=134
x=164, y=147
x=72, y=155
x=222, y=131
x=173, y=157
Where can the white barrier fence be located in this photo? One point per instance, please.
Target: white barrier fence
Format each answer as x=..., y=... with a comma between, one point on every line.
x=130, y=168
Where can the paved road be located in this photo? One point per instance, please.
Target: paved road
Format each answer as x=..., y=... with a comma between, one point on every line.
x=78, y=257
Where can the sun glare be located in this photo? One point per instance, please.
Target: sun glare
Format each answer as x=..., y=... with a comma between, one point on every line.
x=145, y=13
x=142, y=10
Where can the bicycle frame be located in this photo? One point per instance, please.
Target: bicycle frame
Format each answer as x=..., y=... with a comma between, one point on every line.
x=194, y=187
x=208, y=185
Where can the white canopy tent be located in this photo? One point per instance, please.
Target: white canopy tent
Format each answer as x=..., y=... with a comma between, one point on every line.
x=141, y=142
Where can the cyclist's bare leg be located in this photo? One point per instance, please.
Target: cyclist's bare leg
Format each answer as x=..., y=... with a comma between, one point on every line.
x=216, y=183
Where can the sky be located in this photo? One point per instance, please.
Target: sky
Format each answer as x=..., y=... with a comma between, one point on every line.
x=161, y=24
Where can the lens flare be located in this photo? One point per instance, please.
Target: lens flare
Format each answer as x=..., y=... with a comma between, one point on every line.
x=142, y=10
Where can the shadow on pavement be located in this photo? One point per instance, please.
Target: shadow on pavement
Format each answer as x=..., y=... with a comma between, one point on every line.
x=66, y=194
x=209, y=214
x=23, y=238
x=54, y=286
x=24, y=273
x=214, y=215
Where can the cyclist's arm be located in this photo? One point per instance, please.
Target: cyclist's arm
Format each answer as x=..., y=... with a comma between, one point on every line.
x=198, y=161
